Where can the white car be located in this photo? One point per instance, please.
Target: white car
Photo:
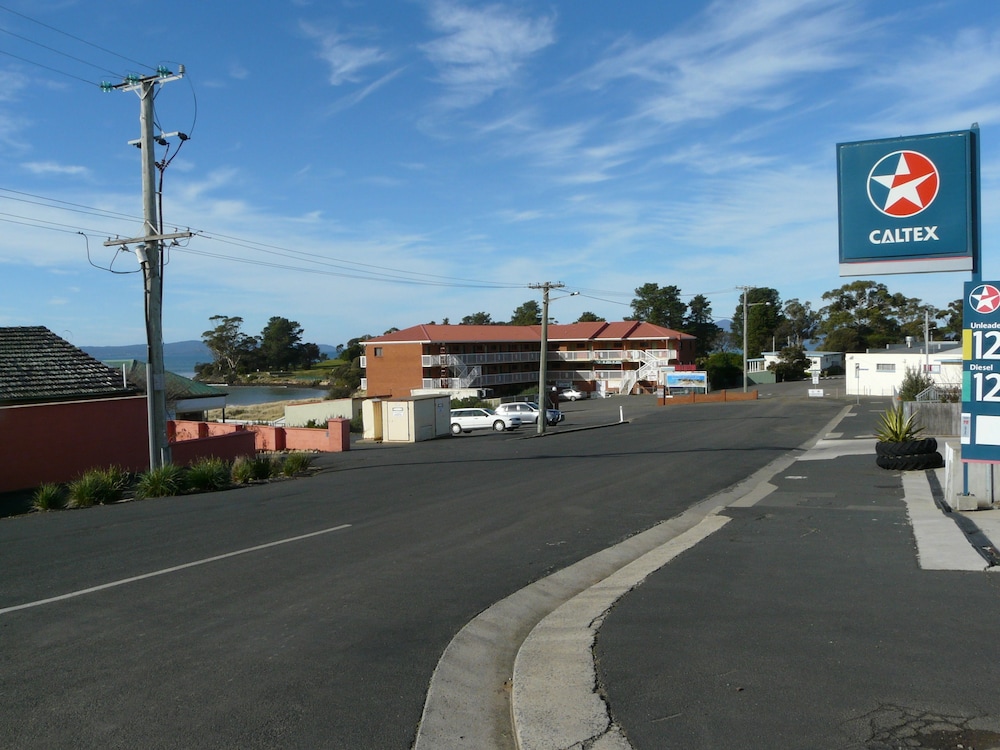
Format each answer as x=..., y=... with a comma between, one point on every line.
x=467, y=420
x=571, y=394
x=528, y=412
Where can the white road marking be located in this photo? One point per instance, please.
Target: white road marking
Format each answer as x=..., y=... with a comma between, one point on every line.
x=165, y=571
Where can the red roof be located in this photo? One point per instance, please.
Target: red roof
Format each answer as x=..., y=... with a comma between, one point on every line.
x=453, y=334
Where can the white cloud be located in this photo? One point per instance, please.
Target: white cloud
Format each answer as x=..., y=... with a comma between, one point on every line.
x=483, y=48
x=741, y=54
x=346, y=59
x=51, y=168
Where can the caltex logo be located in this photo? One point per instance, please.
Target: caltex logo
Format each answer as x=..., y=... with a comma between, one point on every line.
x=903, y=184
x=985, y=298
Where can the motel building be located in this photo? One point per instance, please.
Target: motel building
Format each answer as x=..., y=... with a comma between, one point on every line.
x=502, y=360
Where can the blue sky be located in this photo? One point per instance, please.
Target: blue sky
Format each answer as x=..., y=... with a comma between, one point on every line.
x=358, y=166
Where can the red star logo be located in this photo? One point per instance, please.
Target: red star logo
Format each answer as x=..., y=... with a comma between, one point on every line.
x=905, y=183
x=985, y=298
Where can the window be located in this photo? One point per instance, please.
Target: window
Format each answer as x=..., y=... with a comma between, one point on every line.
x=885, y=368
x=378, y=351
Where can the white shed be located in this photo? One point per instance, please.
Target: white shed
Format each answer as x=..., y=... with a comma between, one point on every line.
x=415, y=418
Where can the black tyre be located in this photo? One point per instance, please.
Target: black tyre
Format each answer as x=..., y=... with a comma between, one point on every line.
x=917, y=462
x=499, y=426
x=456, y=429
x=906, y=448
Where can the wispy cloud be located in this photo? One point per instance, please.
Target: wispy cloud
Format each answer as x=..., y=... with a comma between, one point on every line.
x=51, y=168
x=738, y=55
x=483, y=48
x=948, y=85
x=346, y=58
x=358, y=96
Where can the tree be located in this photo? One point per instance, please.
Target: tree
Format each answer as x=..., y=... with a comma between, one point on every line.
x=792, y=364
x=952, y=328
x=478, y=319
x=661, y=306
x=279, y=344
x=724, y=369
x=798, y=324
x=354, y=349
x=231, y=349
x=763, y=318
x=528, y=314
x=589, y=317
x=698, y=322
x=868, y=311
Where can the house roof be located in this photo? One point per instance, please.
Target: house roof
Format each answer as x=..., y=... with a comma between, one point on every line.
x=601, y=331
x=37, y=366
x=177, y=387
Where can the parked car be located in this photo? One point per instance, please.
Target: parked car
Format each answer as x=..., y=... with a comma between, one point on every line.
x=466, y=420
x=528, y=412
x=571, y=394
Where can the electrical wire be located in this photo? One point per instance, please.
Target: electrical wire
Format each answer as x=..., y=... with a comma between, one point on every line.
x=59, y=52
x=47, y=67
x=76, y=38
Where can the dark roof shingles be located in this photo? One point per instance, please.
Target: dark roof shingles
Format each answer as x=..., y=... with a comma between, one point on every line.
x=37, y=366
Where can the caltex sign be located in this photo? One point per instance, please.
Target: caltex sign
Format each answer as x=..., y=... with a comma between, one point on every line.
x=908, y=205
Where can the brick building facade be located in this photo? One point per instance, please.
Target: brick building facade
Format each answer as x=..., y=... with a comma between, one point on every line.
x=619, y=357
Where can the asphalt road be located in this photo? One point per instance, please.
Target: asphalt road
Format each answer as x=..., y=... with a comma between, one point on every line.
x=311, y=613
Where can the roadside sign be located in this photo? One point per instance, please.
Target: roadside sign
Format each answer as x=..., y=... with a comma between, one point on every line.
x=909, y=205
x=980, y=436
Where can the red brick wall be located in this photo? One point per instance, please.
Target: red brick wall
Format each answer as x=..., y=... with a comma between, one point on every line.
x=396, y=372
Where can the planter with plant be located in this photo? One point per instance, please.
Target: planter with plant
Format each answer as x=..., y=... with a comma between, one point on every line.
x=900, y=446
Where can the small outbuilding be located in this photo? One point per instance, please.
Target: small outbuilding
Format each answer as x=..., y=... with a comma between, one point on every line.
x=408, y=419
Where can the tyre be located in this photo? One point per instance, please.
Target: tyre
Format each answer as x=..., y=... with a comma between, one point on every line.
x=916, y=462
x=499, y=426
x=906, y=448
x=456, y=429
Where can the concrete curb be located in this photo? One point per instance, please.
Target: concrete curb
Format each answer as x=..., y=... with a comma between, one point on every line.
x=555, y=704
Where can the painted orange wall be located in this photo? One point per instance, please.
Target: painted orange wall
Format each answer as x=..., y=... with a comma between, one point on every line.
x=59, y=442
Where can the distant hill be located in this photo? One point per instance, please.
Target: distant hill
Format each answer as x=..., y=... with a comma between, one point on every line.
x=179, y=356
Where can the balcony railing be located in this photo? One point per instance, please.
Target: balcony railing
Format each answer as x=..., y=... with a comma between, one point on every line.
x=501, y=358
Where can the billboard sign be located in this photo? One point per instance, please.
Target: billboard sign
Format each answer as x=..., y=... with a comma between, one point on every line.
x=981, y=372
x=908, y=205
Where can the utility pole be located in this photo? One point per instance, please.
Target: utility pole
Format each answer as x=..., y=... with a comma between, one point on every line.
x=148, y=250
x=543, y=357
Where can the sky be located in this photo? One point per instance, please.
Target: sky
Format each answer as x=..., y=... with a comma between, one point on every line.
x=361, y=166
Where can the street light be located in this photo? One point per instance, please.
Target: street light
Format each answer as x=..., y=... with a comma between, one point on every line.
x=746, y=307
x=544, y=352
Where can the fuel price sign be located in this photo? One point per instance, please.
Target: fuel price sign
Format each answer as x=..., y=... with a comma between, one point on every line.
x=981, y=372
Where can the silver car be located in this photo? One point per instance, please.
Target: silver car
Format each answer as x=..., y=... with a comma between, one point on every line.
x=528, y=412
x=478, y=418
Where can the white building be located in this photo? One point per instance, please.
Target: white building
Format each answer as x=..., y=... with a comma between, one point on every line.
x=881, y=372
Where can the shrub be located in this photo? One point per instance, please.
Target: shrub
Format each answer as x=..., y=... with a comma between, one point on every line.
x=914, y=383
x=49, y=497
x=98, y=487
x=164, y=481
x=358, y=424
x=246, y=469
x=295, y=463
x=894, y=427
x=208, y=474
x=469, y=402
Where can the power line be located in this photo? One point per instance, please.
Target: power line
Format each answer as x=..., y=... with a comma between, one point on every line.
x=47, y=67
x=75, y=38
x=59, y=52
